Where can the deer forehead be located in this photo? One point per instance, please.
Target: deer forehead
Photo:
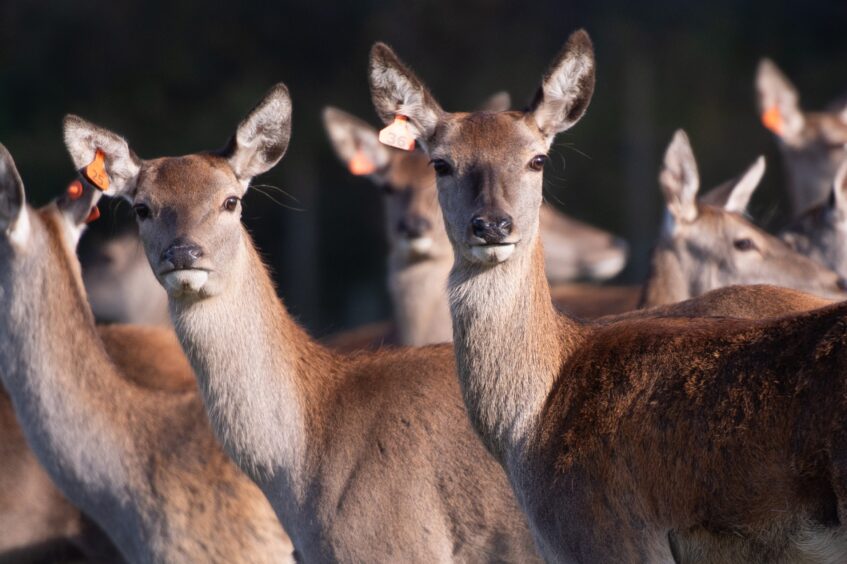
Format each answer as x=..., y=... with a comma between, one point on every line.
x=488, y=137
x=191, y=179
x=411, y=171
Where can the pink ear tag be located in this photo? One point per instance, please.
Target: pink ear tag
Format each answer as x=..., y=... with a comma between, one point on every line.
x=360, y=164
x=398, y=134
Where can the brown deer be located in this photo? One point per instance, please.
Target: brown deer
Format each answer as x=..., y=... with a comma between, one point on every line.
x=821, y=232
x=114, y=415
x=367, y=457
x=708, y=243
x=420, y=255
x=639, y=440
x=813, y=144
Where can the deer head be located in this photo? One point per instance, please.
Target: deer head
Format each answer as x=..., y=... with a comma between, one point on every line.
x=488, y=165
x=189, y=207
x=821, y=233
x=813, y=144
x=413, y=221
x=708, y=243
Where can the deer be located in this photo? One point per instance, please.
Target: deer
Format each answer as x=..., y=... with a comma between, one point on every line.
x=813, y=144
x=113, y=414
x=364, y=457
x=708, y=243
x=821, y=232
x=118, y=281
x=657, y=438
x=420, y=256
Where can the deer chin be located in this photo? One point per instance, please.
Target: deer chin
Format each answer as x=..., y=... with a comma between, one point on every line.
x=492, y=254
x=180, y=283
x=418, y=247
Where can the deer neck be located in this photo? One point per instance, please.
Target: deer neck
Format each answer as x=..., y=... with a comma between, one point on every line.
x=55, y=367
x=262, y=378
x=419, y=296
x=510, y=343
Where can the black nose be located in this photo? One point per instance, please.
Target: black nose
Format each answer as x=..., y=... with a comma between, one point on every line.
x=413, y=226
x=182, y=254
x=841, y=283
x=492, y=227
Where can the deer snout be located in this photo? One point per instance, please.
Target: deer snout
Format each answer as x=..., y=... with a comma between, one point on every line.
x=182, y=254
x=493, y=228
x=413, y=226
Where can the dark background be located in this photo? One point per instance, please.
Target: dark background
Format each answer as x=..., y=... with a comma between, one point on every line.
x=176, y=77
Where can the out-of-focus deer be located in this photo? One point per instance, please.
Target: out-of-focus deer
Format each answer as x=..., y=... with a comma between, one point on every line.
x=813, y=144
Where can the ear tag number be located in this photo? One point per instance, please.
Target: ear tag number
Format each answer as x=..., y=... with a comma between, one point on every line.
x=360, y=164
x=75, y=190
x=772, y=119
x=398, y=134
x=95, y=171
x=93, y=214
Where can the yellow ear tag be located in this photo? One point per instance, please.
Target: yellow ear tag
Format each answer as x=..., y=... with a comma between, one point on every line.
x=360, y=164
x=95, y=171
x=398, y=134
x=772, y=119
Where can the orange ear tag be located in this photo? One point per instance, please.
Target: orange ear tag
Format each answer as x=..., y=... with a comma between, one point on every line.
x=93, y=214
x=74, y=190
x=360, y=164
x=398, y=134
x=95, y=171
x=772, y=119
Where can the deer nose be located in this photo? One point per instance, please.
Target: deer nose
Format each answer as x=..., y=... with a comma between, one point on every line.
x=413, y=226
x=492, y=228
x=182, y=254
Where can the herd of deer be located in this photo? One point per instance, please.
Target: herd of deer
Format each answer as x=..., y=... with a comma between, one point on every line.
x=701, y=418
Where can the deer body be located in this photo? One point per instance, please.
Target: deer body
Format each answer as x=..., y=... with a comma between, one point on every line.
x=365, y=457
x=643, y=439
x=124, y=435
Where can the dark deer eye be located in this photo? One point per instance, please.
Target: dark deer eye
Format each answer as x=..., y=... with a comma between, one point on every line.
x=141, y=211
x=230, y=203
x=442, y=167
x=744, y=244
x=537, y=162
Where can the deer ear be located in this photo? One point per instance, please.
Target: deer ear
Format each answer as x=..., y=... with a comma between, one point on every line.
x=355, y=142
x=262, y=137
x=499, y=102
x=679, y=178
x=778, y=101
x=734, y=195
x=396, y=90
x=14, y=220
x=567, y=87
x=83, y=139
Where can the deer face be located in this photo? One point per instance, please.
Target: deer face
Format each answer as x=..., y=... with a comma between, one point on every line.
x=713, y=245
x=413, y=221
x=488, y=165
x=189, y=208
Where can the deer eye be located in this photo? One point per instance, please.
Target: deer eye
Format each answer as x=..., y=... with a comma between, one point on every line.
x=230, y=203
x=142, y=211
x=744, y=244
x=537, y=162
x=442, y=167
